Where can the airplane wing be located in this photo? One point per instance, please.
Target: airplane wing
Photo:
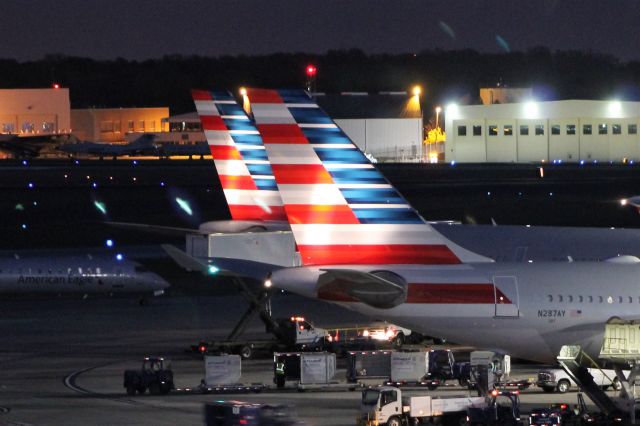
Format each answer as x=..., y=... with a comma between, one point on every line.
x=184, y=260
x=380, y=289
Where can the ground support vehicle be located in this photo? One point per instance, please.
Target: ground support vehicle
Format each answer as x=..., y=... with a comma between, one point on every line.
x=491, y=370
x=387, y=405
x=368, y=365
x=155, y=375
x=443, y=367
x=502, y=408
x=557, y=380
x=292, y=334
x=231, y=413
x=565, y=415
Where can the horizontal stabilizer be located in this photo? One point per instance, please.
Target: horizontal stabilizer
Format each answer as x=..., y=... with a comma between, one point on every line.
x=380, y=289
x=154, y=229
x=184, y=260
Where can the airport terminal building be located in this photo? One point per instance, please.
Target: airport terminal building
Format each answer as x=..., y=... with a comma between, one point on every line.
x=566, y=131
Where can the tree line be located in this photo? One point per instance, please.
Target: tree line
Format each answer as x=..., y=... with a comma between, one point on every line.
x=444, y=75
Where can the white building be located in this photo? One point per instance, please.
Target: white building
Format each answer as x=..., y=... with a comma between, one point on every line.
x=568, y=131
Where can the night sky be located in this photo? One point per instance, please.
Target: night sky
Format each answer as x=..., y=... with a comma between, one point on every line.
x=141, y=29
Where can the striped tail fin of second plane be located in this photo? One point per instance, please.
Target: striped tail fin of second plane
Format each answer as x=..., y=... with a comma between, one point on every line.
x=240, y=158
x=341, y=209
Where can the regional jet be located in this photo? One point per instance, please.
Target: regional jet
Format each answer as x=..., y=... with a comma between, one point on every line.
x=144, y=145
x=364, y=247
x=76, y=273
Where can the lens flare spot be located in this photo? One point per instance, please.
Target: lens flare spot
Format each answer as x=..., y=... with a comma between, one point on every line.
x=184, y=205
x=447, y=29
x=503, y=43
x=100, y=206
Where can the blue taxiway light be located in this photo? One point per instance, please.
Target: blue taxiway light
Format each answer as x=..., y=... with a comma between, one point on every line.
x=30, y=185
x=213, y=270
x=109, y=243
x=119, y=256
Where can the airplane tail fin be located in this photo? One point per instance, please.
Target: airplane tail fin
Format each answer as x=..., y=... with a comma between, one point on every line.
x=239, y=157
x=341, y=209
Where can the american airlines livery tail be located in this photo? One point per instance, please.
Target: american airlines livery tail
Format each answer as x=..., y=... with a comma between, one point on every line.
x=239, y=157
x=362, y=246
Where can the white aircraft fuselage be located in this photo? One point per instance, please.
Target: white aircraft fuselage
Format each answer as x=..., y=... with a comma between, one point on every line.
x=528, y=310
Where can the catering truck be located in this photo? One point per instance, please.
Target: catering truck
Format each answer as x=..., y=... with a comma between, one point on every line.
x=387, y=405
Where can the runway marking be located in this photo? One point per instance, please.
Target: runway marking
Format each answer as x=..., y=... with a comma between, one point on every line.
x=70, y=382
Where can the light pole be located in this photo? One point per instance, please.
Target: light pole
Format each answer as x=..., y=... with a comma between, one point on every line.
x=438, y=111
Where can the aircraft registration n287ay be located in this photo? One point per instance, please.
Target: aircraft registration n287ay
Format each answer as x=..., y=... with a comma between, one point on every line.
x=362, y=246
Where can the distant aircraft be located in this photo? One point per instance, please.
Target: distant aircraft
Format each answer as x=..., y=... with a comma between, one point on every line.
x=144, y=145
x=76, y=272
x=167, y=150
x=364, y=247
x=28, y=146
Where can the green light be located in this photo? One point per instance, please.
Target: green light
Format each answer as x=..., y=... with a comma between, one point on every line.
x=100, y=206
x=213, y=269
x=19, y=207
x=184, y=205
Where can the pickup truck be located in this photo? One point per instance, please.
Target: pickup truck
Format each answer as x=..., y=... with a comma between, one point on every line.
x=557, y=380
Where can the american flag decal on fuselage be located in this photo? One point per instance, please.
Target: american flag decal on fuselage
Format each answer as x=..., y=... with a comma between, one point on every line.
x=239, y=157
x=341, y=209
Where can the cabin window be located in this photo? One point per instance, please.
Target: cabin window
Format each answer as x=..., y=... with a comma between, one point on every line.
x=600, y=299
x=508, y=130
x=586, y=129
x=580, y=299
x=462, y=130
x=524, y=130
x=551, y=298
x=555, y=129
x=632, y=129
x=492, y=129
x=571, y=129
x=570, y=299
x=609, y=299
x=477, y=130
x=590, y=299
x=616, y=129
x=539, y=129
x=630, y=299
x=560, y=298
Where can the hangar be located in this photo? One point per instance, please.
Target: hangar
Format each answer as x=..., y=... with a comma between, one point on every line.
x=560, y=131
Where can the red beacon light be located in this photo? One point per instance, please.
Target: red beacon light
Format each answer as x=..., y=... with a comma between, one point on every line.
x=56, y=85
x=311, y=70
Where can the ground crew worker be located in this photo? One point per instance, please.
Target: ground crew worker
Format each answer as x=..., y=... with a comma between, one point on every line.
x=280, y=378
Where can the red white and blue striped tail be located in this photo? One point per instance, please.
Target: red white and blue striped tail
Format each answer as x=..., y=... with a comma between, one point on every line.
x=239, y=157
x=341, y=209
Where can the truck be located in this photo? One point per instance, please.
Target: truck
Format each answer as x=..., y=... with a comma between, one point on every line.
x=557, y=380
x=443, y=367
x=387, y=405
x=295, y=334
x=155, y=375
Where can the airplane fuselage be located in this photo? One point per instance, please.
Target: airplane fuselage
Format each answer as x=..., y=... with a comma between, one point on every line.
x=76, y=274
x=528, y=310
